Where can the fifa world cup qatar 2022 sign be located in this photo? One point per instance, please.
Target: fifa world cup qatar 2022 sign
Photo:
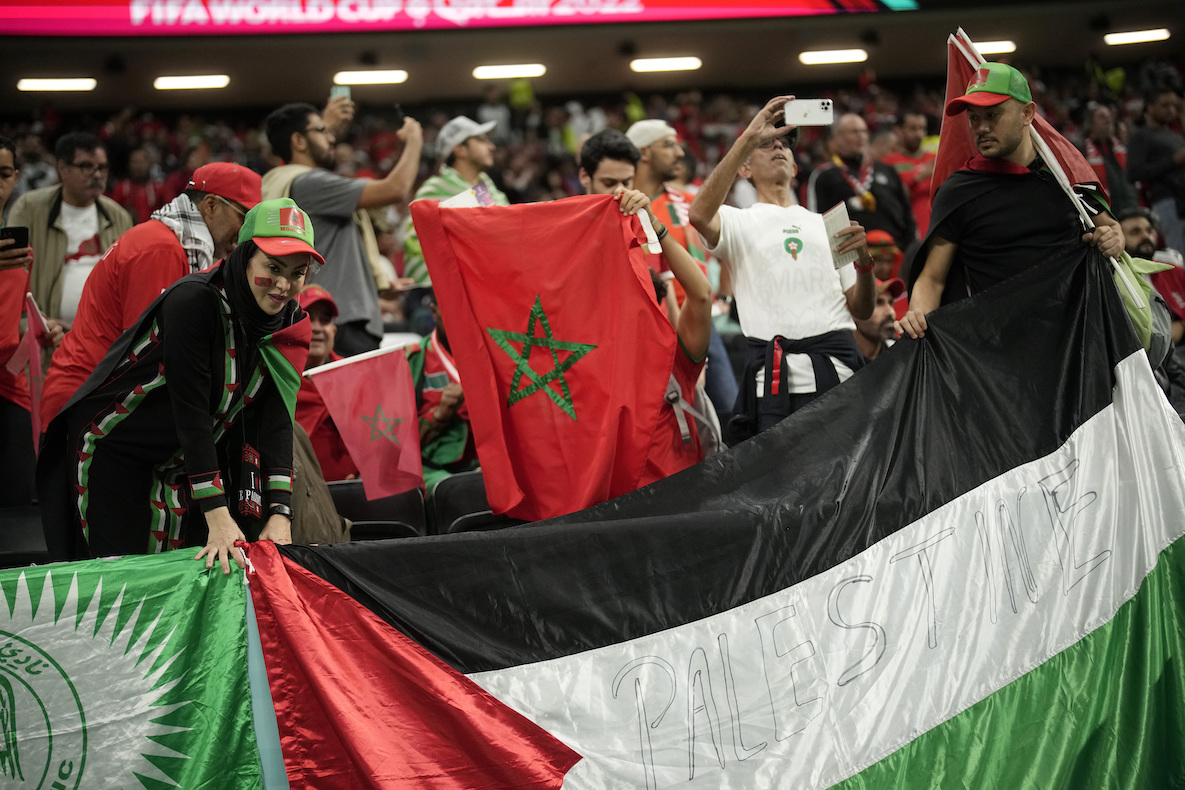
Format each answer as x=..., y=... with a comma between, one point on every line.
x=252, y=17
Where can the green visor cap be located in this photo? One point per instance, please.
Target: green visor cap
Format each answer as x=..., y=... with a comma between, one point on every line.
x=992, y=84
x=280, y=228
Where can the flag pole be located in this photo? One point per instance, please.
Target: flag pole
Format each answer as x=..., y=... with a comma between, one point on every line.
x=965, y=45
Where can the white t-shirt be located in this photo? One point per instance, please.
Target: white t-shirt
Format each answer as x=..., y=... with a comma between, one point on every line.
x=784, y=280
x=83, y=251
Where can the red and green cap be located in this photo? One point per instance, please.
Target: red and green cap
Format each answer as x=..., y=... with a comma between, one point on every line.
x=279, y=227
x=992, y=84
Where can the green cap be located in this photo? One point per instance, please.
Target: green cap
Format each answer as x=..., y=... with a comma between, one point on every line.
x=991, y=84
x=280, y=228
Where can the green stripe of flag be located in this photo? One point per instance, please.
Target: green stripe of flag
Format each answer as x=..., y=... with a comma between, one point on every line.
x=1036, y=731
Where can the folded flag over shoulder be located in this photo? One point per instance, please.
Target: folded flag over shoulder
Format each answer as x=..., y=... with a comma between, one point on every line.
x=960, y=569
x=372, y=400
x=955, y=143
x=563, y=349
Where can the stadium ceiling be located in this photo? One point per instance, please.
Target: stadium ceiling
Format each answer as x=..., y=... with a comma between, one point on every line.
x=745, y=55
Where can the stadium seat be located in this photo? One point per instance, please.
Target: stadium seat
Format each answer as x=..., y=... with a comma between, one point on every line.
x=459, y=504
x=382, y=530
x=21, y=540
x=407, y=508
x=482, y=522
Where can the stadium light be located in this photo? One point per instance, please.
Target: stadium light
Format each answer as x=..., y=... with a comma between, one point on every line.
x=512, y=71
x=1137, y=36
x=665, y=64
x=375, y=77
x=72, y=84
x=191, y=82
x=829, y=56
x=995, y=47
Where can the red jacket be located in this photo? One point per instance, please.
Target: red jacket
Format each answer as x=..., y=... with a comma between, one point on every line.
x=14, y=283
x=140, y=265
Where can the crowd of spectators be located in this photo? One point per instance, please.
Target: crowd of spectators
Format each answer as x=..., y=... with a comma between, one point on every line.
x=536, y=144
x=538, y=138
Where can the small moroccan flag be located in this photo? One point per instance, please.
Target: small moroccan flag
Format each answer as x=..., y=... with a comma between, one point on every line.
x=373, y=403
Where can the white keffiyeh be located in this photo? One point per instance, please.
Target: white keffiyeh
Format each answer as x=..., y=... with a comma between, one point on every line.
x=183, y=218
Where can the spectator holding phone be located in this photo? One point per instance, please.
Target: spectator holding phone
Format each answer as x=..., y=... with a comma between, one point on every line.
x=302, y=137
x=70, y=226
x=793, y=302
x=16, y=428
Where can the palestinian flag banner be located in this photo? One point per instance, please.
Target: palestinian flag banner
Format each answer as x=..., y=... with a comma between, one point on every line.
x=962, y=568
x=564, y=351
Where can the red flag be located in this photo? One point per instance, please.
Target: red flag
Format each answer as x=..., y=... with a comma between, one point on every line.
x=955, y=144
x=372, y=400
x=562, y=347
x=359, y=705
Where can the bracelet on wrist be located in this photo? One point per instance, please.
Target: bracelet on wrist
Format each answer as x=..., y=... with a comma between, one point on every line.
x=280, y=510
x=862, y=269
x=661, y=232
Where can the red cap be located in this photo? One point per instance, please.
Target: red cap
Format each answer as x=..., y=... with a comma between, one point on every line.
x=894, y=285
x=880, y=238
x=230, y=181
x=311, y=294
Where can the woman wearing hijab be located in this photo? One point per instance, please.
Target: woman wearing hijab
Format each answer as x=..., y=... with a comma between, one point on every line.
x=183, y=434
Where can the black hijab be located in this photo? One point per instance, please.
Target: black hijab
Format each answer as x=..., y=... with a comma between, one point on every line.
x=255, y=322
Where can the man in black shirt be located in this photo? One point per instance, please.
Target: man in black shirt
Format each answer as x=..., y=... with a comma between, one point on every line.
x=1003, y=212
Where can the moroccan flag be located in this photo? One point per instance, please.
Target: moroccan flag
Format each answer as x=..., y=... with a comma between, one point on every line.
x=962, y=568
x=563, y=349
x=955, y=143
x=372, y=400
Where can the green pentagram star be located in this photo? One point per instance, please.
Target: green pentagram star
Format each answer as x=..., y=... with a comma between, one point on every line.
x=380, y=418
x=521, y=359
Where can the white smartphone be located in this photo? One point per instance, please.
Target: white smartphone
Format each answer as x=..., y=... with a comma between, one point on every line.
x=339, y=90
x=809, y=112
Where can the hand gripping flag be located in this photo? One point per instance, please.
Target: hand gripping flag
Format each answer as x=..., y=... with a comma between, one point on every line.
x=372, y=400
x=564, y=352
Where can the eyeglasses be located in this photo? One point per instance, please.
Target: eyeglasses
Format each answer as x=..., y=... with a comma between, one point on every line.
x=7, y=172
x=90, y=168
x=238, y=210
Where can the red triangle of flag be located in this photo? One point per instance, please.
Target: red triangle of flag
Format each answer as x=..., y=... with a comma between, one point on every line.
x=232, y=352
x=121, y=409
x=176, y=543
x=83, y=456
x=132, y=356
x=179, y=511
x=247, y=399
x=81, y=489
x=139, y=390
x=311, y=632
x=234, y=385
x=159, y=534
x=158, y=505
x=96, y=430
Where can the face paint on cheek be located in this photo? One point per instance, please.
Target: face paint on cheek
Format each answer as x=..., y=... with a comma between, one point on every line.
x=264, y=282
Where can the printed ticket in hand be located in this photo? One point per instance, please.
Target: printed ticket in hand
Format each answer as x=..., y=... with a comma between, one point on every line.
x=835, y=220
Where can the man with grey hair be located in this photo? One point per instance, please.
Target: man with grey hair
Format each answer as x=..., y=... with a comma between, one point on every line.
x=466, y=152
